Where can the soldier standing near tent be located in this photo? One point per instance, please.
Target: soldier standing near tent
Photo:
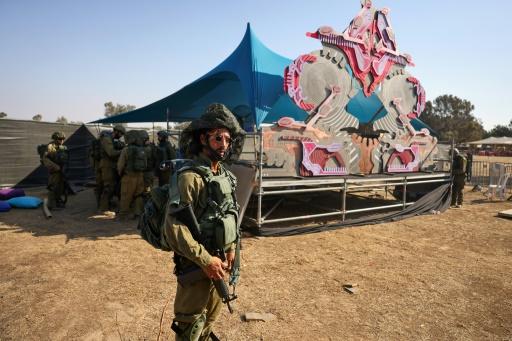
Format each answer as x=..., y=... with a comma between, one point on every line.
x=149, y=149
x=130, y=166
x=164, y=151
x=459, y=167
x=55, y=158
x=111, y=148
x=209, y=188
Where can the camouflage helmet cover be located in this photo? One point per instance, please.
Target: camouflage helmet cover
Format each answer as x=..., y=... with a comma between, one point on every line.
x=120, y=128
x=215, y=116
x=58, y=135
x=163, y=133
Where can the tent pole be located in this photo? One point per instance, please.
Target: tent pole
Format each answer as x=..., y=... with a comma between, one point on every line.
x=167, y=114
x=260, y=182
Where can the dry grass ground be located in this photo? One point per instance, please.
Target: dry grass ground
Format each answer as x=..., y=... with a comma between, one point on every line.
x=436, y=277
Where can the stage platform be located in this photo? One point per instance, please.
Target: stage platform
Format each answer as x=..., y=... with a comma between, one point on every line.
x=316, y=196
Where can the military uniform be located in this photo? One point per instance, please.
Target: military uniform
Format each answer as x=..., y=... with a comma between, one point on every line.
x=130, y=166
x=164, y=151
x=108, y=176
x=55, y=159
x=150, y=157
x=459, y=179
x=212, y=197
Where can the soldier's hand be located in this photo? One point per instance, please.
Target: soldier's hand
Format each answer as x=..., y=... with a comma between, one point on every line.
x=215, y=270
x=230, y=259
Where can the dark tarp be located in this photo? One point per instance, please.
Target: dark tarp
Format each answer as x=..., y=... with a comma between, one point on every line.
x=21, y=166
x=436, y=200
x=249, y=82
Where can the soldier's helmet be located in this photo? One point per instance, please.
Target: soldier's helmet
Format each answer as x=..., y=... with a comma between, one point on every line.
x=58, y=135
x=215, y=116
x=120, y=128
x=163, y=133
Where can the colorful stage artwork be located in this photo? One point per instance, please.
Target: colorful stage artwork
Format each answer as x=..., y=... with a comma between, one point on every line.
x=362, y=106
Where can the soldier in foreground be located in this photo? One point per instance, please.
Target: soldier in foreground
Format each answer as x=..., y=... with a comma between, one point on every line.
x=459, y=178
x=209, y=188
x=55, y=159
x=110, y=150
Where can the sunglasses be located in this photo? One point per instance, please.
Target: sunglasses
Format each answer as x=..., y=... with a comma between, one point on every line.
x=219, y=138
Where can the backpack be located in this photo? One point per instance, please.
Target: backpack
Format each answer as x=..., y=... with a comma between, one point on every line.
x=41, y=149
x=152, y=218
x=95, y=150
x=137, y=158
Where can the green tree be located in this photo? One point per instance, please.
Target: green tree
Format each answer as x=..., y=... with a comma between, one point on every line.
x=113, y=110
x=501, y=130
x=3, y=114
x=452, y=118
x=62, y=120
x=37, y=117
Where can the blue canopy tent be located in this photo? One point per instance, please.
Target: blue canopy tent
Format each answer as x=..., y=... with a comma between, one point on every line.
x=249, y=82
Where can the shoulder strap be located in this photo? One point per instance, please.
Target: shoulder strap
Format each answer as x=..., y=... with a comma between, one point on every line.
x=178, y=166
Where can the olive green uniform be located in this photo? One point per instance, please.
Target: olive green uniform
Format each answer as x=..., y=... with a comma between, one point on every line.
x=54, y=160
x=132, y=185
x=107, y=171
x=459, y=179
x=164, y=152
x=149, y=149
x=198, y=304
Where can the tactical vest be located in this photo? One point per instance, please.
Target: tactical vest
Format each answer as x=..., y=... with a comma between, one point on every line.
x=163, y=152
x=117, y=144
x=61, y=156
x=135, y=159
x=219, y=221
x=459, y=165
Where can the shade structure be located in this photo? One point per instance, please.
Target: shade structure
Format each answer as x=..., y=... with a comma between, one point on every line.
x=504, y=140
x=249, y=82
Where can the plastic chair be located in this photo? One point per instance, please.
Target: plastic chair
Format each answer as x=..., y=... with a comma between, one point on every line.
x=500, y=188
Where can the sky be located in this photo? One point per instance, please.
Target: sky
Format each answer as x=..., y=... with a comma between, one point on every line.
x=67, y=58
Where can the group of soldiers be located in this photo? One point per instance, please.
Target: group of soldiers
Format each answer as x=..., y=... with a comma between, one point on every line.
x=123, y=169
x=127, y=169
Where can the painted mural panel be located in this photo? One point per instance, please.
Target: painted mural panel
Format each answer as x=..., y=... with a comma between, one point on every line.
x=361, y=102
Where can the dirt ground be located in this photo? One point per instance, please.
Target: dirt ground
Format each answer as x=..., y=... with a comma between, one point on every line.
x=79, y=276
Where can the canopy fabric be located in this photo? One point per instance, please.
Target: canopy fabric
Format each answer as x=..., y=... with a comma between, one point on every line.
x=249, y=82
x=504, y=140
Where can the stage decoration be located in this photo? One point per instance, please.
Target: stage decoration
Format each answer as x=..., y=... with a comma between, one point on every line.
x=362, y=105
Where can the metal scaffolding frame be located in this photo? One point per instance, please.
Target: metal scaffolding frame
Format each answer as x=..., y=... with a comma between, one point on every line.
x=268, y=186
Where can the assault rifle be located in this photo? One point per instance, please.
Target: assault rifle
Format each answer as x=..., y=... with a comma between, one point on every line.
x=186, y=215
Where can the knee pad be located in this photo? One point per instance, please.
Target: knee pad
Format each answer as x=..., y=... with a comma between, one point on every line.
x=189, y=331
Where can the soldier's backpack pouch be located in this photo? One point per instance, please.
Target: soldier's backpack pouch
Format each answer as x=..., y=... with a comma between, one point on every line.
x=4, y=206
x=226, y=232
x=153, y=216
x=41, y=149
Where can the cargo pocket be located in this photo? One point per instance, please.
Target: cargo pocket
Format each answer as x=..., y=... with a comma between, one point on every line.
x=226, y=233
